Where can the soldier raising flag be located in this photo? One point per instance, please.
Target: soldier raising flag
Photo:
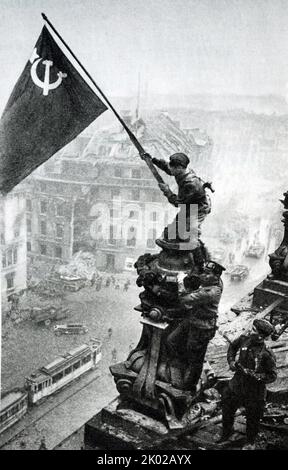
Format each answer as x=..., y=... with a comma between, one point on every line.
x=50, y=105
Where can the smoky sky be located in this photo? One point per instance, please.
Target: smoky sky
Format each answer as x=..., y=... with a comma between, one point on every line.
x=177, y=46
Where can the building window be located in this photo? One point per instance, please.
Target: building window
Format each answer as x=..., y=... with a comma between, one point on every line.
x=135, y=194
x=131, y=237
x=118, y=172
x=29, y=226
x=115, y=193
x=16, y=232
x=151, y=238
x=136, y=173
x=9, y=257
x=28, y=205
x=113, y=213
x=10, y=280
x=43, y=227
x=29, y=246
x=59, y=231
x=43, y=207
x=15, y=255
x=58, y=251
x=4, y=261
x=112, y=231
x=77, y=231
x=43, y=249
x=78, y=208
x=154, y=217
x=2, y=238
x=133, y=215
x=43, y=187
x=60, y=209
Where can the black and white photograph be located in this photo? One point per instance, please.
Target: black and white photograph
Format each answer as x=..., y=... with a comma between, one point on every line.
x=144, y=227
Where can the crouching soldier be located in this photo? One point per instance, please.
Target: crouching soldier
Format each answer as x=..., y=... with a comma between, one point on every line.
x=255, y=367
x=189, y=340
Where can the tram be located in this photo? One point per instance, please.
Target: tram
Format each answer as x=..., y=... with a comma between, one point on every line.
x=47, y=380
x=13, y=406
x=64, y=369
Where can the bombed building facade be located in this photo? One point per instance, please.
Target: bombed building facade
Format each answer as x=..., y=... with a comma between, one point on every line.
x=77, y=200
x=13, y=244
x=81, y=197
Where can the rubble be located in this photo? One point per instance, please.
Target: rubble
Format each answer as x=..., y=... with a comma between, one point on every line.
x=275, y=414
x=51, y=287
x=83, y=265
x=38, y=297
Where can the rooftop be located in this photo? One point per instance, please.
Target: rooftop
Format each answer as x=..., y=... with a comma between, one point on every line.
x=10, y=398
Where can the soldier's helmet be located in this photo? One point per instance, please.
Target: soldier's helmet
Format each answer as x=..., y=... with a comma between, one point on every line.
x=214, y=267
x=179, y=159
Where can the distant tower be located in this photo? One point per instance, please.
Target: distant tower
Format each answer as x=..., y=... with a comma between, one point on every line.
x=137, y=111
x=138, y=97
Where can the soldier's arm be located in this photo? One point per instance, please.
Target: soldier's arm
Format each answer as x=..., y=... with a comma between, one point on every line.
x=270, y=374
x=189, y=193
x=162, y=165
x=233, y=348
x=201, y=296
x=172, y=198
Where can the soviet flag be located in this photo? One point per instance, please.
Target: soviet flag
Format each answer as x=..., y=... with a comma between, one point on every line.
x=50, y=105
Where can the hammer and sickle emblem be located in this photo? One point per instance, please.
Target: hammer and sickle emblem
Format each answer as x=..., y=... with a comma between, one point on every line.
x=45, y=85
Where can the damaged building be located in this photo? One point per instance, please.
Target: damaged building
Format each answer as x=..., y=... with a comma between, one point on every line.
x=81, y=197
x=13, y=244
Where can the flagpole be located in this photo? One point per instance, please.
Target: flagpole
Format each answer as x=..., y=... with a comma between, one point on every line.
x=1, y=267
x=132, y=137
x=2, y=199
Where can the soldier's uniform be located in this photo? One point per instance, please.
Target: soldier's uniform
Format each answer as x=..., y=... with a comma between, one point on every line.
x=191, y=190
x=191, y=337
x=248, y=388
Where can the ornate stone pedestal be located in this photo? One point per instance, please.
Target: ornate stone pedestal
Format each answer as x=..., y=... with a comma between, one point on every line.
x=120, y=426
x=274, y=289
x=155, y=397
x=154, y=376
